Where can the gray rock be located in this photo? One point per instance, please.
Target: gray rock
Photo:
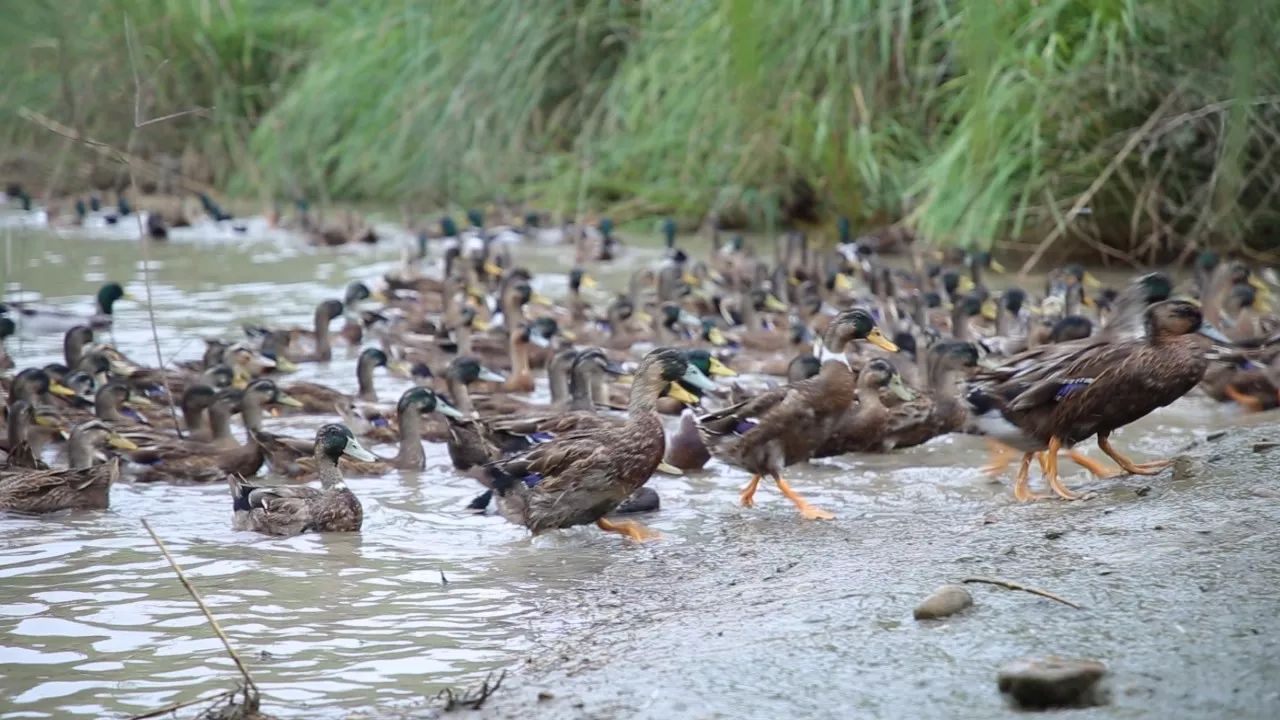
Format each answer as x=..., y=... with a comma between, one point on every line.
x=946, y=600
x=1053, y=682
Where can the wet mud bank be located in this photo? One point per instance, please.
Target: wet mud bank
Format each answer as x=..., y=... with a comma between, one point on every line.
x=763, y=616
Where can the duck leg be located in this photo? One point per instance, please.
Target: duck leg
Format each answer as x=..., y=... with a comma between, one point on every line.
x=807, y=511
x=1249, y=403
x=1051, y=474
x=633, y=530
x=1021, y=491
x=1001, y=456
x=1129, y=466
x=747, y=498
x=1100, y=471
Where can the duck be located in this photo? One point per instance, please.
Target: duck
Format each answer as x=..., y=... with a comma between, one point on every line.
x=710, y=366
x=322, y=346
x=292, y=510
x=322, y=399
x=200, y=461
x=21, y=450
x=864, y=426
x=81, y=486
x=685, y=450
x=413, y=405
x=781, y=427
x=7, y=329
x=939, y=410
x=1055, y=396
x=37, y=319
x=578, y=478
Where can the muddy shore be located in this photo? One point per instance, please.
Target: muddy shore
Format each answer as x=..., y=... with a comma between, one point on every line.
x=767, y=617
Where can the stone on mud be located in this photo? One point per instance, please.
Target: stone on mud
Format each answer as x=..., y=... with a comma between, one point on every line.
x=946, y=600
x=1039, y=683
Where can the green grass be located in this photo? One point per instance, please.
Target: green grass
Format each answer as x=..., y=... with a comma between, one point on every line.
x=971, y=121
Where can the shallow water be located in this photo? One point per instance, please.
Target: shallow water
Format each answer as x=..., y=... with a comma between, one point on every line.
x=94, y=624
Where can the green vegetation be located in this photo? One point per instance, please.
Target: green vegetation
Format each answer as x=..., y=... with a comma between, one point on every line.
x=972, y=120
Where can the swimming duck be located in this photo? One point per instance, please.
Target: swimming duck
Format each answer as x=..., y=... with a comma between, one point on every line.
x=1055, y=396
x=291, y=510
x=322, y=399
x=21, y=450
x=290, y=340
x=82, y=486
x=42, y=319
x=577, y=479
x=785, y=426
x=413, y=405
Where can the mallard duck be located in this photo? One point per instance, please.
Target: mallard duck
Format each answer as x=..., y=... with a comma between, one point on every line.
x=7, y=329
x=1054, y=397
x=20, y=449
x=322, y=399
x=82, y=486
x=41, y=319
x=710, y=366
x=579, y=478
x=290, y=340
x=413, y=404
x=293, y=510
x=461, y=373
x=685, y=449
x=36, y=387
x=200, y=461
x=785, y=426
x=939, y=410
x=864, y=425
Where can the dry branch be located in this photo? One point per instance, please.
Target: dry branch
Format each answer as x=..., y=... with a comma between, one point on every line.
x=1010, y=585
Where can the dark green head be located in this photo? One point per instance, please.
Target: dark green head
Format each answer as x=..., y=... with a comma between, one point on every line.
x=951, y=282
x=1207, y=260
x=845, y=230
x=108, y=295
x=422, y=399
x=372, y=357
x=955, y=353
x=1013, y=299
x=7, y=328
x=356, y=292
x=333, y=440
x=669, y=232
x=475, y=217
x=467, y=370
x=970, y=305
x=606, y=226
x=1155, y=287
x=448, y=227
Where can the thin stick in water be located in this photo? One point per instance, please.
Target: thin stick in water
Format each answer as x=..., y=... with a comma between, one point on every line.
x=249, y=684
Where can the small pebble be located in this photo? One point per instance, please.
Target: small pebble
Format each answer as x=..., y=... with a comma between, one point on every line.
x=1053, y=682
x=545, y=695
x=1052, y=534
x=1265, y=446
x=946, y=600
x=1142, y=491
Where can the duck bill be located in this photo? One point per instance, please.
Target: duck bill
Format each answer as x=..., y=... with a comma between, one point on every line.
x=719, y=369
x=690, y=279
x=400, y=369
x=284, y=365
x=61, y=390
x=843, y=283
x=569, y=335
x=989, y=309
x=877, y=338
x=966, y=285
x=448, y=410
x=356, y=451
x=902, y=391
x=669, y=469
x=676, y=391
x=539, y=340
x=694, y=377
x=378, y=296
x=997, y=267
x=615, y=369
x=538, y=298
x=287, y=400
x=1091, y=281
x=491, y=268
x=490, y=376
x=716, y=337
x=480, y=324
x=120, y=442
x=1214, y=334
x=588, y=282
x=773, y=304
x=140, y=401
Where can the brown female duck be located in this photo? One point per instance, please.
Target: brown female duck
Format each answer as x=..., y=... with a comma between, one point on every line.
x=322, y=399
x=864, y=425
x=82, y=486
x=579, y=478
x=785, y=426
x=293, y=510
x=1055, y=396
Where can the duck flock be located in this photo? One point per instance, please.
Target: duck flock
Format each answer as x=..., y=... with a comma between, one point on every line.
x=761, y=359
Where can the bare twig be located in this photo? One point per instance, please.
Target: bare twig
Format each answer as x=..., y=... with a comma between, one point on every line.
x=179, y=705
x=1010, y=585
x=473, y=699
x=250, y=687
x=1132, y=143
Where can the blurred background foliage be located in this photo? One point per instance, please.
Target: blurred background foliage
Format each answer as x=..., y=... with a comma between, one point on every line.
x=967, y=121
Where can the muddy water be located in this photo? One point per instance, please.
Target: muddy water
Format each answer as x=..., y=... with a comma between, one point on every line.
x=93, y=623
